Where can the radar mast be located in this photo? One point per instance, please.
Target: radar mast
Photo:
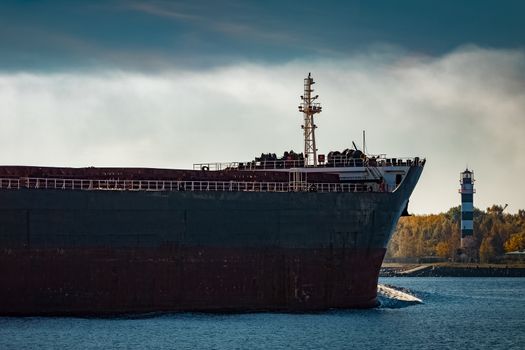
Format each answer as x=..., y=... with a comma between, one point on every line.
x=308, y=107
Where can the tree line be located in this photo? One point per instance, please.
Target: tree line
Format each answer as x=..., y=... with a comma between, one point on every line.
x=438, y=235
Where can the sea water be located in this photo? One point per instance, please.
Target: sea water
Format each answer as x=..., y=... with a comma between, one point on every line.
x=456, y=313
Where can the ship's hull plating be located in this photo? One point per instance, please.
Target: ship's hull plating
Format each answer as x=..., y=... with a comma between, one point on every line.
x=108, y=252
x=98, y=282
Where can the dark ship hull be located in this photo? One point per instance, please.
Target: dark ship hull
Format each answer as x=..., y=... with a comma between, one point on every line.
x=78, y=252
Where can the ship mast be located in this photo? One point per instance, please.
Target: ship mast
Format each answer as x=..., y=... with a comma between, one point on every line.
x=309, y=108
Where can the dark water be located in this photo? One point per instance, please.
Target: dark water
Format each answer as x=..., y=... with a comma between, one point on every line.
x=458, y=313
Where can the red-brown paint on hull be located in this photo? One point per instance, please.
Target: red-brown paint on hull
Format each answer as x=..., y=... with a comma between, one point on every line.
x=105, y=282
x=153, y=174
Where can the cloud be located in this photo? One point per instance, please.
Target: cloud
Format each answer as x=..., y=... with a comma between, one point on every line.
x=216, y=20
x=162, y=11
x=464, y=108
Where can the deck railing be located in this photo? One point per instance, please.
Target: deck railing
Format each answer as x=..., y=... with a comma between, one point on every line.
x=160, y=185
x=337, y=161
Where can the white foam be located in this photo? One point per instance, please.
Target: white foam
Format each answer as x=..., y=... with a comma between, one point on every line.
x=395, y=298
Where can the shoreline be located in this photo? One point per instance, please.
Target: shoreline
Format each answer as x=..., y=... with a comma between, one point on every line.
x=451, y=270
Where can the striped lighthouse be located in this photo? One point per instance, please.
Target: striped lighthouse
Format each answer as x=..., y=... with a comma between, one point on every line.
x=467, y=198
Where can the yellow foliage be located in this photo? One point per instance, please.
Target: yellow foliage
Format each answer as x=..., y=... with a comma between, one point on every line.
x=495, y=232
x=443, y=249
x=515, y=242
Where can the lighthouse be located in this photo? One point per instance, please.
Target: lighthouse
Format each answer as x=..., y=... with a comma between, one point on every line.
x=467, y=191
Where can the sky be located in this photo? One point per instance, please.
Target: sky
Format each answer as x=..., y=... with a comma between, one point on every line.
x=172, y=83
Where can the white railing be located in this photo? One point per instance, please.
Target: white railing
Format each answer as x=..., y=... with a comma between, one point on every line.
x=160, y=185
x=337, y=161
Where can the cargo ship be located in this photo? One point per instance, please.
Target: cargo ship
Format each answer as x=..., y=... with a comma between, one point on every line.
x=300, y=232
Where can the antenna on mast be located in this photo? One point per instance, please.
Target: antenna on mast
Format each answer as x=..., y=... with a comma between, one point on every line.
x=364, y=143
x=309, y=108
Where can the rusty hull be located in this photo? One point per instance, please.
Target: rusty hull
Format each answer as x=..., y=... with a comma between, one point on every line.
x=85, y=282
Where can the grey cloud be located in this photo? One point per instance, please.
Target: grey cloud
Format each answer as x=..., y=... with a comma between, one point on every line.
x=467, y=107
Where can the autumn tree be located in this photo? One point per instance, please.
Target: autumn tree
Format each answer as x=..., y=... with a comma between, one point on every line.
x=487, y=252
x=443, y=249
x=515, y=242
x=439, y=234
